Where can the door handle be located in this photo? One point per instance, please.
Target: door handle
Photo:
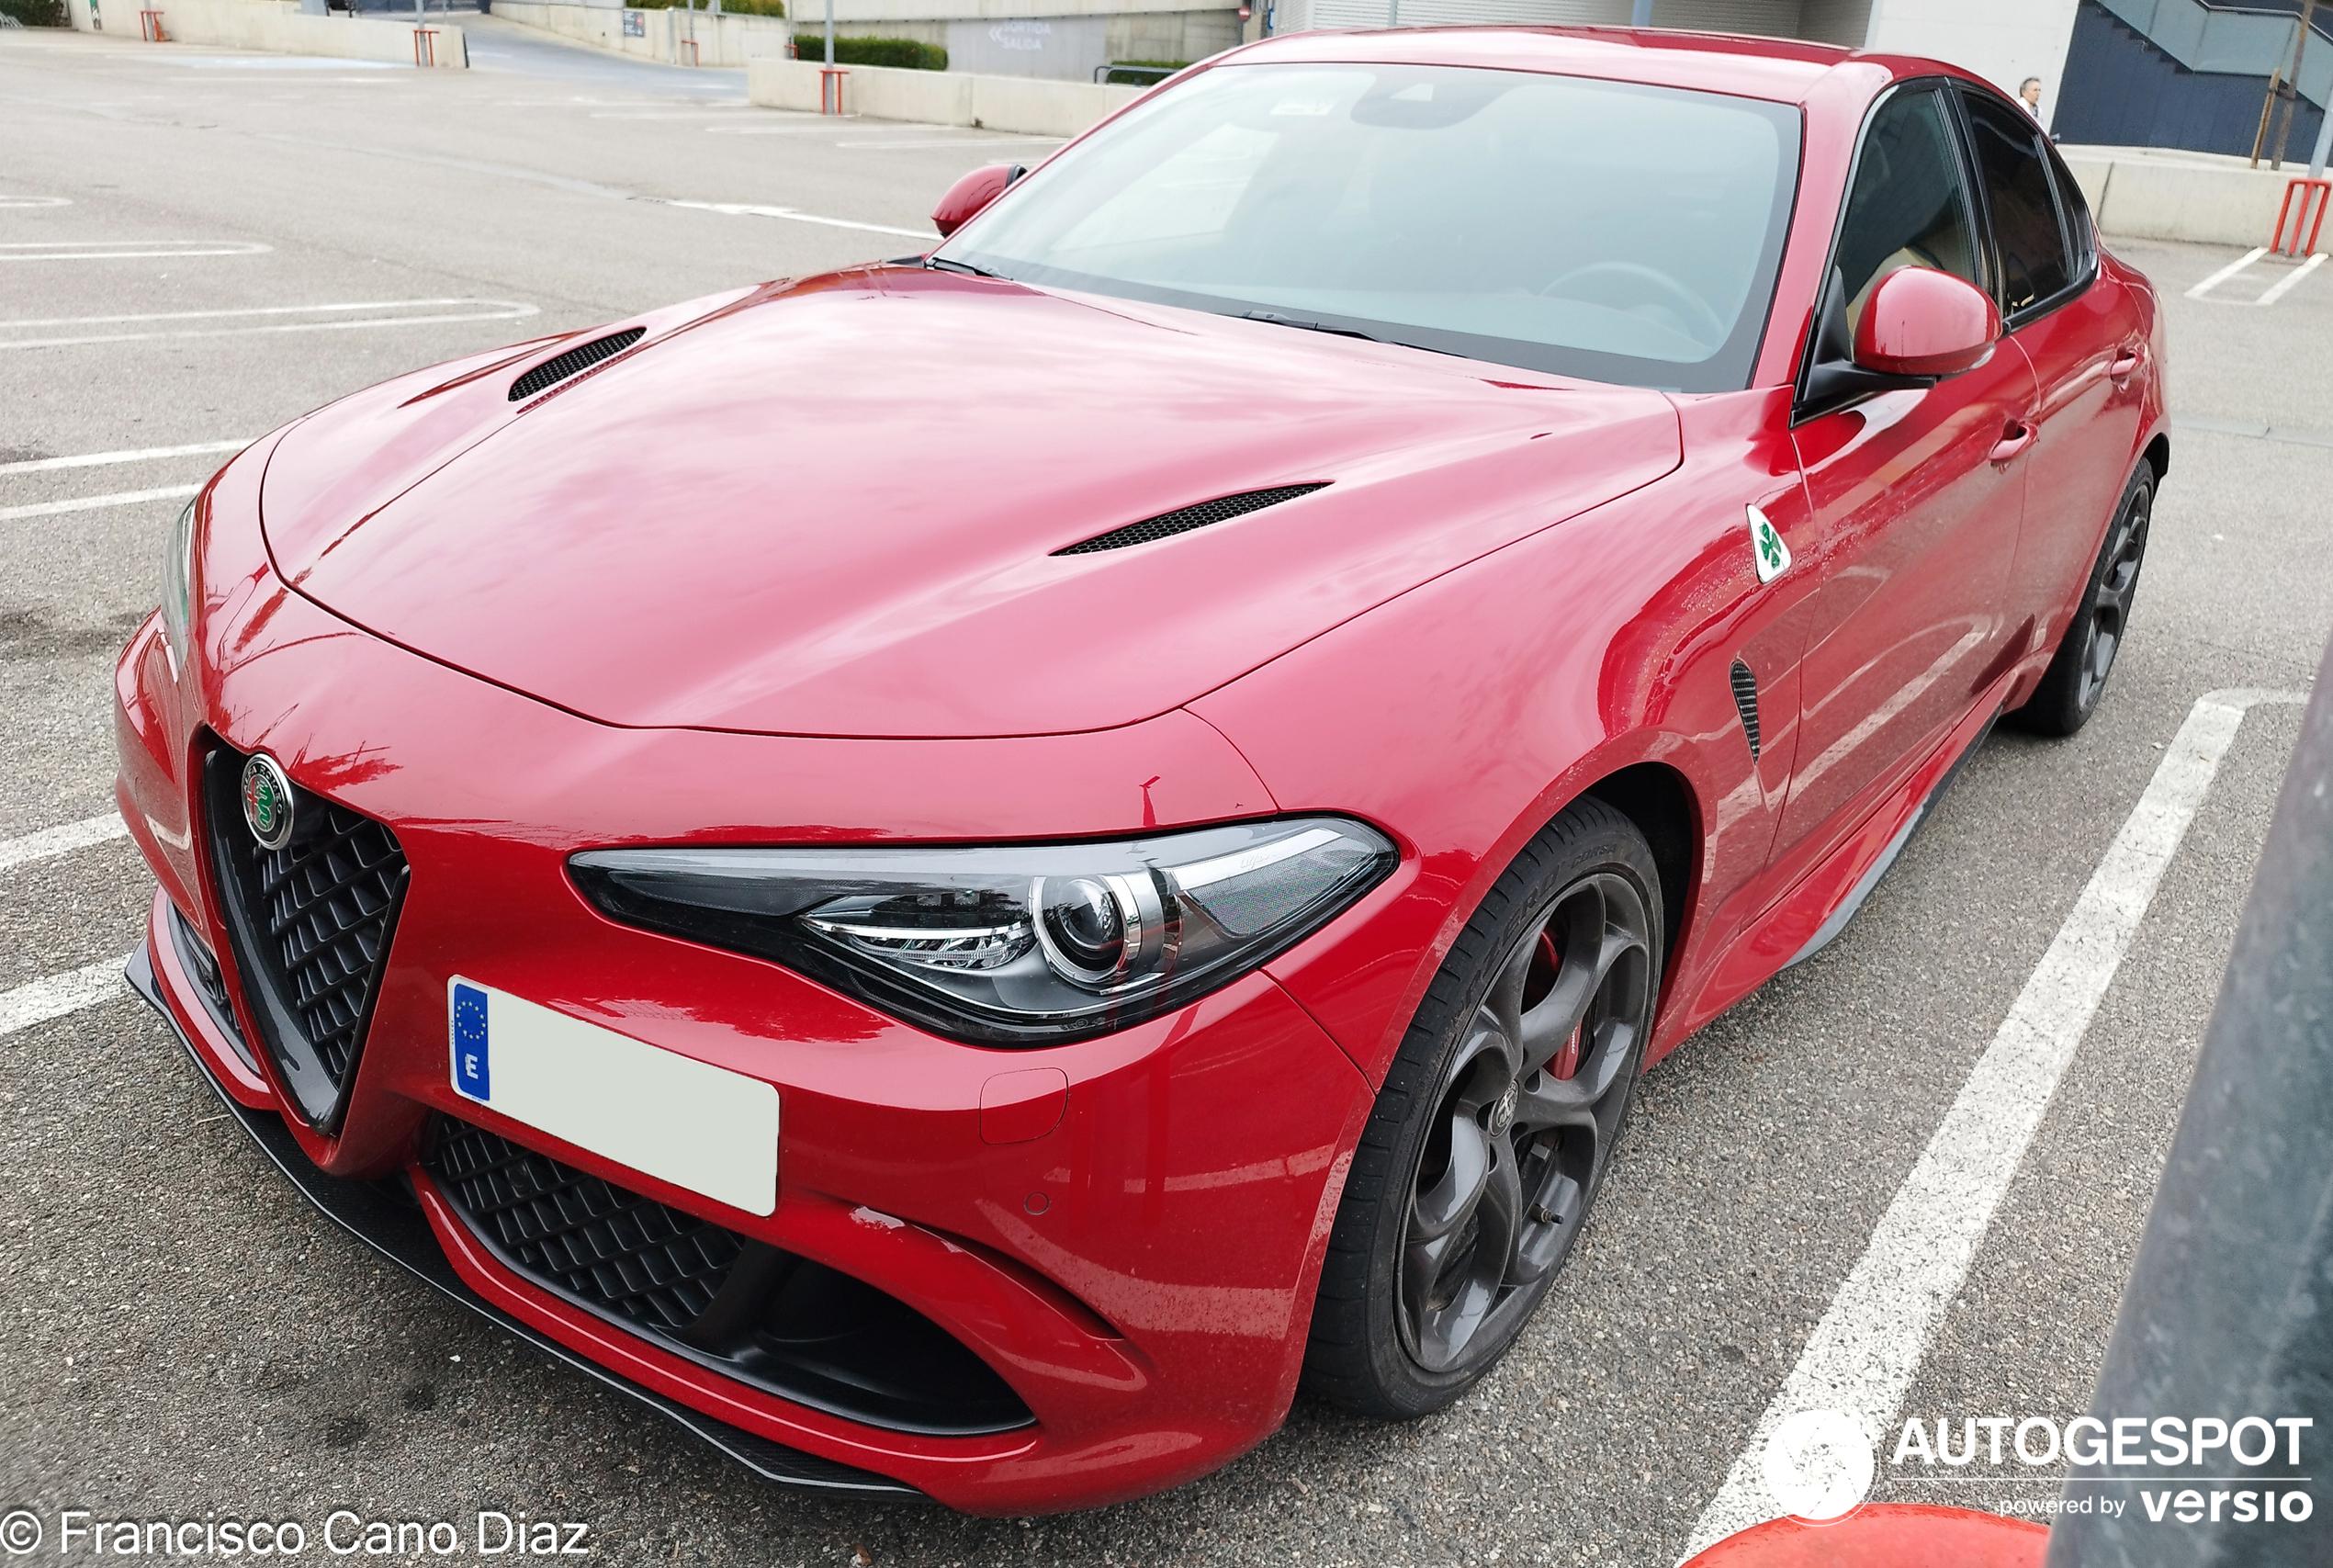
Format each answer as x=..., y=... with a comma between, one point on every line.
x=2015, y=436
x=2123, y=364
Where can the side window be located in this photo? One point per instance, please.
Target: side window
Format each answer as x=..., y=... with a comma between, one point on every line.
x=1909, y=206
x=2074, y=208
x=2034, y=263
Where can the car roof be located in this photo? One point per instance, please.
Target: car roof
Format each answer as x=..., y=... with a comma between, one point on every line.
x=1783, y=70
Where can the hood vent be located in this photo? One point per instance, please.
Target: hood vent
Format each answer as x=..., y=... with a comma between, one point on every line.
x=1745, y=702
x=575, y=359
x=1169, y=524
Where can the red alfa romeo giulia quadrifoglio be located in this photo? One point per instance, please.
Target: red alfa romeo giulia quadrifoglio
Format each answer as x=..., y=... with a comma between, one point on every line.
x=972, y=932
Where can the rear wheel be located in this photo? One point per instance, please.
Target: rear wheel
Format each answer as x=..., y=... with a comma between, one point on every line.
x=2069, y=689
x=1497, y=1124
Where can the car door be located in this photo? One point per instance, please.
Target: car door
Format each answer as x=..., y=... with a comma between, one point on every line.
x=2086, y=338
x=1915, y=493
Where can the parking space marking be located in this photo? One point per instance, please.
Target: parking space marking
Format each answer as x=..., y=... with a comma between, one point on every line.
x=127, y=250
x=41, y=1001
x=1862, y=1354
x=2283, y=286
x=17, y=201
x=741, y=210
x=437, y=311
x=60, y=840
x=2275, y=291
x=96, y=503
x=137, y=454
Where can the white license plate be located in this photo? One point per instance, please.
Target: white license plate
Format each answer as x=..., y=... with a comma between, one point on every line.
x=695, y=1125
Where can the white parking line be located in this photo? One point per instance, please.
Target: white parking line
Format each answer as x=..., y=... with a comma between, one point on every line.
x=42, y=1001
x=2230, y=270
x=61, y=841
x=2274, y=292
x=741, y=210
x=2284, y=285
x=125, y=250
x=437, y=311
x=138, y=454
x=1861, y=1355
x=16, y=202
x=96, y=503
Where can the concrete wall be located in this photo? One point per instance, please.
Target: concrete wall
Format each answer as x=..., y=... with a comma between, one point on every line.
x=2150, y=192
x=1065, y=39
x=2002, y=40
x=272, y=26
x=942, y=97
x=720, y=40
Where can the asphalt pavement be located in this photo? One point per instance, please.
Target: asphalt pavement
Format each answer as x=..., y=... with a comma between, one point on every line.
x=195, y=248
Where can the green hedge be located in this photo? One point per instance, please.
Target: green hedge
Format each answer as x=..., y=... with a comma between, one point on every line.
x=728, y=8
x=36, y=13
x=905, y=53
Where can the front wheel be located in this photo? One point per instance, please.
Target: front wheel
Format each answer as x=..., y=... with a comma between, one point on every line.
x=1497, y=1124
x=2069, y=689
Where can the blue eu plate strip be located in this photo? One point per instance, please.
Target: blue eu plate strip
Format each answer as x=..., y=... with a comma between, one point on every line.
x=470, y=1071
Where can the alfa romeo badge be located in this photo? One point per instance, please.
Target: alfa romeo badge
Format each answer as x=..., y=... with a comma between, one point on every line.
x=268, y=802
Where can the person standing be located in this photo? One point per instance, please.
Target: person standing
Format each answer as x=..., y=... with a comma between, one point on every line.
x=2029, y=95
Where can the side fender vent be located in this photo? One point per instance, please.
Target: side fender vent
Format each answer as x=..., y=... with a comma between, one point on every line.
x=582, y=357
x=1169, y=524
x=1745, y=702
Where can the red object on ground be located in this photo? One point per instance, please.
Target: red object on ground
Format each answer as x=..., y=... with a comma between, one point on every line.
x=425, y=46
x=2313, y=193
x=830, y=88
x=1886, y=1535
x=149, y=27
x=567, y=597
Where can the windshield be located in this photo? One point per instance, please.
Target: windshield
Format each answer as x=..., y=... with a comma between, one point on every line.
x=1596, y=229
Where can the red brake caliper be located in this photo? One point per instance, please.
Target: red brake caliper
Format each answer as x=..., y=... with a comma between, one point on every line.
x=1566, y=1060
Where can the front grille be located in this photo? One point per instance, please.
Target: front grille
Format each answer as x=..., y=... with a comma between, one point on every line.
x=1745, y=703
x=310, y=925
x=652, y=1266
x=575, y=360
x=197, y=959
x=1169, y=524
x=738, y=1306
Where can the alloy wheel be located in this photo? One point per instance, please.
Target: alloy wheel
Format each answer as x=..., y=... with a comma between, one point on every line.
x=2108, y=607
x=1528, y=1108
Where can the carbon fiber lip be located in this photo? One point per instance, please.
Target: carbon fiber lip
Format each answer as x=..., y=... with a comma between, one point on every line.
x=403, y=1235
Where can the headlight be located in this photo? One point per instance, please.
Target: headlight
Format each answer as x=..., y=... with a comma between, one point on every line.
x=1020, y=946
x=179, y=585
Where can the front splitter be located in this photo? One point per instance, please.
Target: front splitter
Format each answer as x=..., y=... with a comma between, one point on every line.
x=399, y=1231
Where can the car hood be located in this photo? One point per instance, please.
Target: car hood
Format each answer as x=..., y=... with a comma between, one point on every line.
x=832, y=508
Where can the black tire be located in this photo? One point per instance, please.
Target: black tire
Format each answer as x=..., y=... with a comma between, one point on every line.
x=1513, y=1081
x=2070, y=688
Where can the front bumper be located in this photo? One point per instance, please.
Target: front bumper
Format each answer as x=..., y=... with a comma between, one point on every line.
x=384, y=1216
x=1140, y=1277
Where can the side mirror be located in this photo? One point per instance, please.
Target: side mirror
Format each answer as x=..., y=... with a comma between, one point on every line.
x=1920, y=321
x=969, y=195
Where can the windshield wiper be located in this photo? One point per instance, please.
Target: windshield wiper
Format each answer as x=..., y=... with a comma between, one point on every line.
x=942, y=264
